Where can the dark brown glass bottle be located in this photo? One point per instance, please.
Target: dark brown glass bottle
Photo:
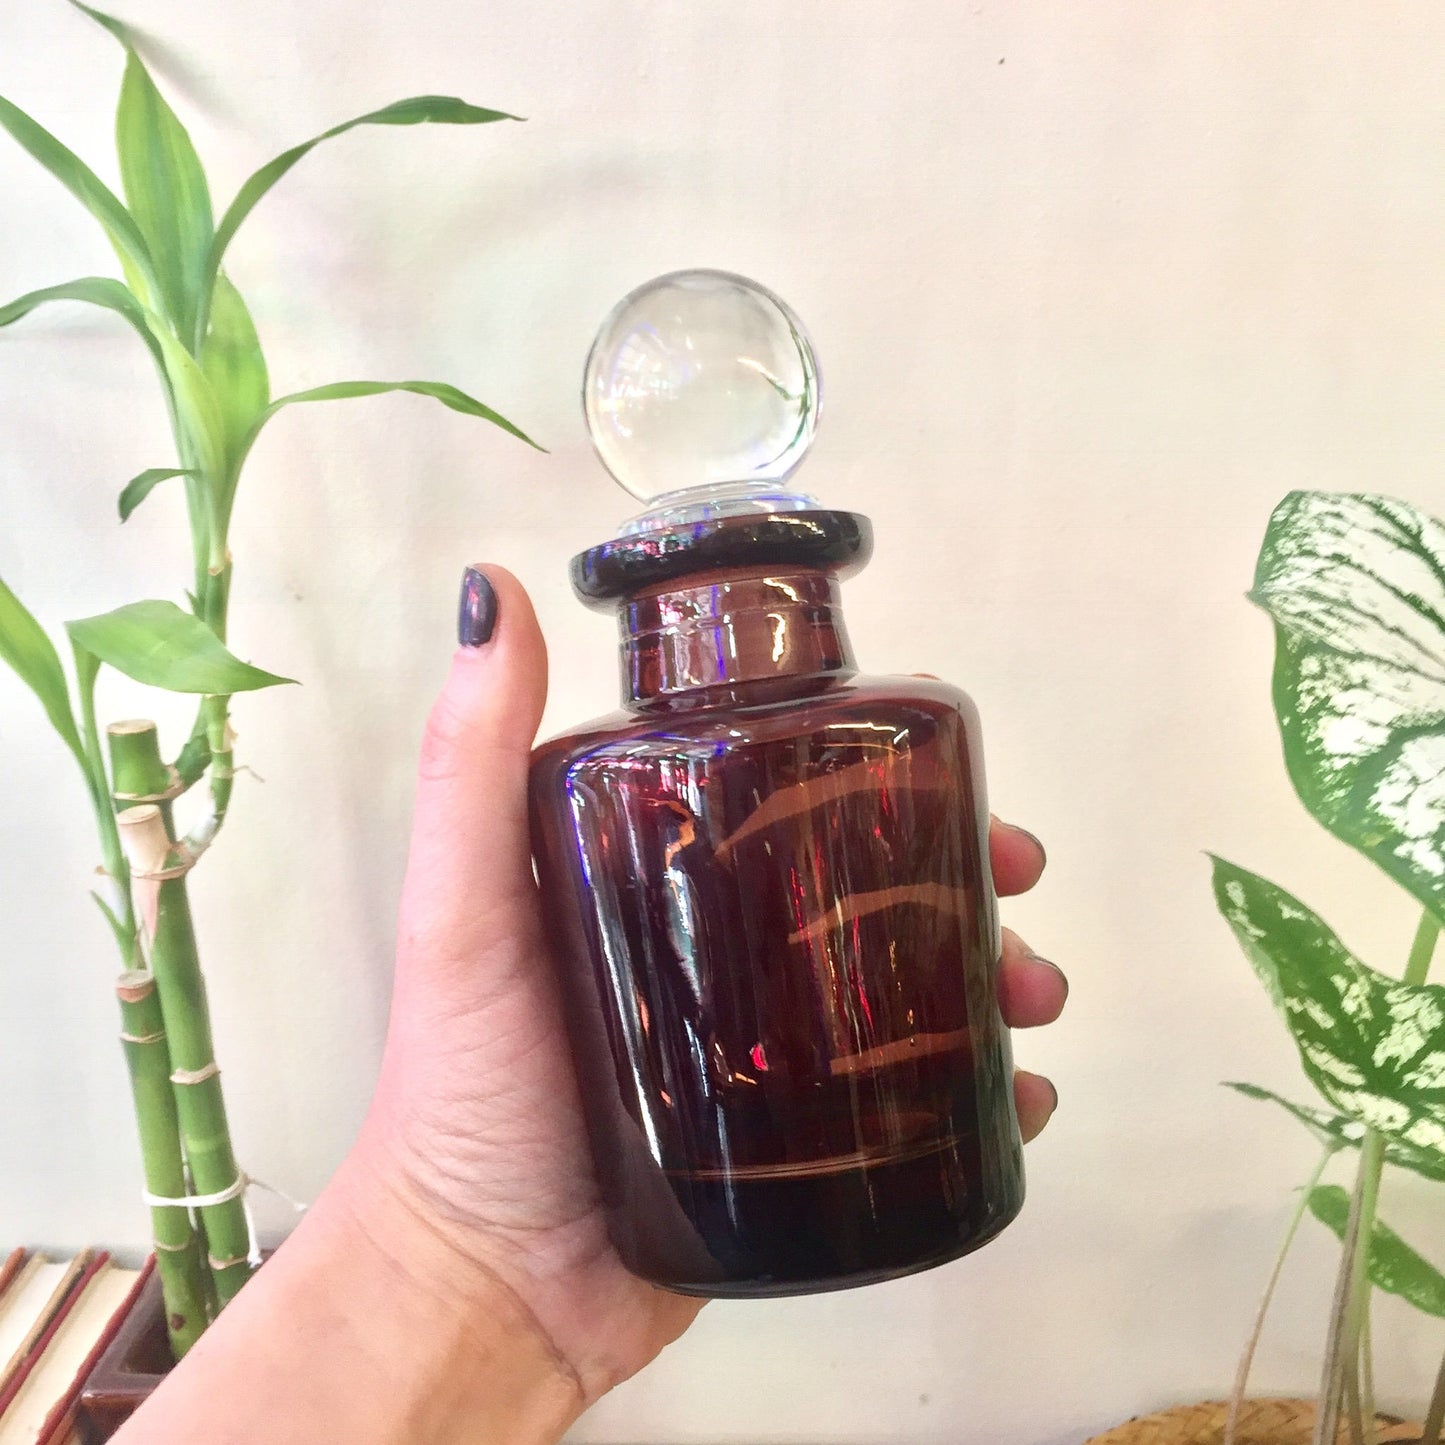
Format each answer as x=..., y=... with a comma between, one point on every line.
x=767, y=883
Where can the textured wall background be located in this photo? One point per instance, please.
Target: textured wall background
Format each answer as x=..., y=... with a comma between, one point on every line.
x=1092, y=287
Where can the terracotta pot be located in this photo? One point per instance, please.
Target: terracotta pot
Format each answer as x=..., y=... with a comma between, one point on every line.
x=1261, y=1422
x=129, y=1368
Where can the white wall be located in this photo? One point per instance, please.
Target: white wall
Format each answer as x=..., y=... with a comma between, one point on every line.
x=1092, y=285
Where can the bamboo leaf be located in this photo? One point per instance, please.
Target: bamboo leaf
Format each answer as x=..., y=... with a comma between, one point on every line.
x=1346, y=1133
x=32, y=655
x=103, y=291
x=116, y=27
x=165, y=188
x=85, y=185
x=139, y=488
x=1356, y=587
x=1375, y=1048
x=155, y=642
x=448, y=395
x=417, y=110
x=122, y=937
x=233, y=363
x=1393, y=1266
x=196, y=404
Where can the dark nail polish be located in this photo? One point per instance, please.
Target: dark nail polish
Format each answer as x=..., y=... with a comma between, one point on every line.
x=1053, y=1089
x=477, y=614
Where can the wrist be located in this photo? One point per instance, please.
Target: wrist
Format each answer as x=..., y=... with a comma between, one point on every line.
x=368, y=1327
x=441, y=1317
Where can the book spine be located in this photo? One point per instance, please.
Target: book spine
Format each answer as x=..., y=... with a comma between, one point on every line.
x=11, y=1268
x=61, y=1419
x=12, y=1386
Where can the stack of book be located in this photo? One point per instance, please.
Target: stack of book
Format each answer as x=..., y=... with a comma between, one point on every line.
x=56, y=1316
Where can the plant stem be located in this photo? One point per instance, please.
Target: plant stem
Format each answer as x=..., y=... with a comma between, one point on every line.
x=1422, y=949
x=195, y=1076
x=1367, y=1372
x=180, y=1260
x=1246, y=1360
x=1332, y=1374
x=1435, y=1416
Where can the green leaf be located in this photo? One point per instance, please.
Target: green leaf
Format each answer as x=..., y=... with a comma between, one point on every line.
x=166, y=190
x=197, y=409
x=1347, y=1133
x=155, y=642
x=417, y=110
x=122, y=937
x=139, y=488
x=1393, y=1266
x=85, y=185
x=24, y=645
x=118, y=28
x=1356, y=588
x=103, y=291
x=440, y=390
x=1373, y=1047
x=232, y=361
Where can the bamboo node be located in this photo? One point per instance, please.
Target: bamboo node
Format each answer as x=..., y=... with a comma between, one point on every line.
x=196, y=1076
x=135, y=985
x=154, y=1038
x=220, y=1264
x=181, y=850
x=171, y=1248
x=173, y=789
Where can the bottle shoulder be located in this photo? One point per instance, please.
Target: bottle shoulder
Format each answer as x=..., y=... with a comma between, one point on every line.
x=864, y=701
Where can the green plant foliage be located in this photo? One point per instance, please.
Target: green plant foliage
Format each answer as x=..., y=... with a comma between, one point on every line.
x=416, y=110
x=233, y=363
x=103, y=291
x=165, y=189
x=1341, y=1132
x=342, y=390
x=156, y=642
x=89, y=189
x=139, y=488
x=1356, y=587
x=26, y=648
x=1393, y=1265
x=1373, y=1047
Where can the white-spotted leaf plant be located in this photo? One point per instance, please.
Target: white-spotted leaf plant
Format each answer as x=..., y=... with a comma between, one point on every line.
x=214, y=384
x=1355, y=585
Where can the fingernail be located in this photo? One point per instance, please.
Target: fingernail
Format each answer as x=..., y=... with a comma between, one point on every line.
x=1053, y=1089
x=1049, y=963
x=1043, y=852
x=477, y=613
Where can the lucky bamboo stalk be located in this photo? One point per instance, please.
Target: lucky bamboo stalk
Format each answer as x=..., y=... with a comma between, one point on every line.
x=158, y=872
x=180, y=1258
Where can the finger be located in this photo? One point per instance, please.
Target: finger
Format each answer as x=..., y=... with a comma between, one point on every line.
x=1035, y=1098
x=469, y=878
x=1031, y=990
x=1018, y=858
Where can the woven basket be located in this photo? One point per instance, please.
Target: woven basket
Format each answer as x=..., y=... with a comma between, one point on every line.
x=1261, y=1422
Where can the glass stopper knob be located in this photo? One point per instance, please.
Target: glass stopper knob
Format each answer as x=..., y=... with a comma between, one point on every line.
x=703, y=380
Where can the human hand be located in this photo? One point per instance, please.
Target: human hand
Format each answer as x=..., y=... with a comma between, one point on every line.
x=475, y=1136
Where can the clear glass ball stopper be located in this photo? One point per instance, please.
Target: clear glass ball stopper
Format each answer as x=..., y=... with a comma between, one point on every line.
x=701, y=392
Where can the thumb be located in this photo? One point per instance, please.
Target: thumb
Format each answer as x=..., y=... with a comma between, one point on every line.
x=469, y=888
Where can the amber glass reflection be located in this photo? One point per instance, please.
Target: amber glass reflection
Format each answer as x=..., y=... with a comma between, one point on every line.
x=767, y=884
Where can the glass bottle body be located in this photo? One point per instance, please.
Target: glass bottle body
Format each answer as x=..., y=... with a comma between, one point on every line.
x=770, y=901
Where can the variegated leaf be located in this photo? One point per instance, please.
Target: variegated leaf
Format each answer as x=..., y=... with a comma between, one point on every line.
x=1356, y=587
x=1393, y=1265
x=1343, y=1132
x=1373, y=1047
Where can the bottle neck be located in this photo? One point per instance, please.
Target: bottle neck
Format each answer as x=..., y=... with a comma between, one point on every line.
x=733, y=628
